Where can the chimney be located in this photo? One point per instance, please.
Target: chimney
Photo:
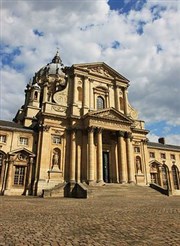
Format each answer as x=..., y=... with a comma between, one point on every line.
x=161, y=140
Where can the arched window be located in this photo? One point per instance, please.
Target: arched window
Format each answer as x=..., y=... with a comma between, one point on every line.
x=165, y=176
x=35, y=95
x=175, y=176
x=79, y=93
x=100, y=102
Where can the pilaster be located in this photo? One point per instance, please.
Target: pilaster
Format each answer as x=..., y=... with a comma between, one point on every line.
x=125, y=101
x=72, y=157
x=130, y=164
x=85, y=95
x=10, y=172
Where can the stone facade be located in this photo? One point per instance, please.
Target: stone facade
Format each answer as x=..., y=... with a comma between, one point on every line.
x=77, y=126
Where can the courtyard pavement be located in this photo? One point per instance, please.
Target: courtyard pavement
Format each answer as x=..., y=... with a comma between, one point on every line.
x=118, y=215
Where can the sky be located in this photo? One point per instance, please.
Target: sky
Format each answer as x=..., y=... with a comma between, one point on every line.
x=139, y=39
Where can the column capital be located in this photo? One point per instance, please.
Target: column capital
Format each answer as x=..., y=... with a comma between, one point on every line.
x=99, y=129
x=91, y=129
x=120, y=134
x=128, y=135
x=85, y=77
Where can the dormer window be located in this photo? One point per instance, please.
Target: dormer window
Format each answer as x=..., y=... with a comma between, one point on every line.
x=100, y=102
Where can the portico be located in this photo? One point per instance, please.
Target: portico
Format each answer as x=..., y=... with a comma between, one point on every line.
x=108, y=149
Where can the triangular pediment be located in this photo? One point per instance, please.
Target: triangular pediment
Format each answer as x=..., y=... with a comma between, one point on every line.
x=26, y=151
x=155, y=162
x=101, y=69
x=109, y=114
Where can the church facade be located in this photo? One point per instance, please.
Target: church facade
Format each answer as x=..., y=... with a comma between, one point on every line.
x=77, y=127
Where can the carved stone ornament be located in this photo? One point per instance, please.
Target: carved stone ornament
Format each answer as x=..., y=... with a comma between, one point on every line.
x=22, y=157
x=46, y=128
x=59, y=108
x=109, y=116
x=60, y=98
x=100, y=70
x=79, y=82
x=133, y=113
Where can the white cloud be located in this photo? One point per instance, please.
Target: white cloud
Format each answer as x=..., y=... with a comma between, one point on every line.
x=173, y=139
x=84, y=31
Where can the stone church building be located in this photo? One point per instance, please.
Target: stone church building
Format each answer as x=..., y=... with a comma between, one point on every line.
x=77, y=129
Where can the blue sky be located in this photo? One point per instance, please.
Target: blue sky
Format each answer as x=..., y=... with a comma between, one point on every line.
x=139, y=39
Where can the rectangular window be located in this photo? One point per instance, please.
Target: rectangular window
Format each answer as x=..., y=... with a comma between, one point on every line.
x=136, y=149
x=56, y=139
x=2, y=138
x=151, y=154
x=163, y=156
x=19, y=175
x=173, y=157
x=23, y=141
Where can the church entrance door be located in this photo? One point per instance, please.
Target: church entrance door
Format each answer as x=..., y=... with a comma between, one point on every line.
x=106, y=176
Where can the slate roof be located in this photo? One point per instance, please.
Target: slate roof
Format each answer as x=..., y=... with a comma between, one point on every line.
x=9, y=125
x=163, y=146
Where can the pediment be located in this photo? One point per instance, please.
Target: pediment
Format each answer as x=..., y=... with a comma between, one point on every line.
x=101, y=69
x=155, y=162
x=22, y=150
x=110, y=114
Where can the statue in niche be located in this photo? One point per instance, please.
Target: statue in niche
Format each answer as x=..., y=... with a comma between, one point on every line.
x=138, y=165
x=55, y=159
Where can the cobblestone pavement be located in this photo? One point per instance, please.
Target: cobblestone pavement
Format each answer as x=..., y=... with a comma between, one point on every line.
x=115, y=216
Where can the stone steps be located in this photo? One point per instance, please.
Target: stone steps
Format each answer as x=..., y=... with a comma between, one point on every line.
x=104, y=190
x=121, y=190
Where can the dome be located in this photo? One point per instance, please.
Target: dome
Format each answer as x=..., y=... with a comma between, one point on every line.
x=51, y=71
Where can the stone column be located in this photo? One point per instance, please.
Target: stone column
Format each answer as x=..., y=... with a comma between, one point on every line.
x=122, y=164
x=72, y=157
x=99, y=156
x=125, y=101
x=130, y=163
x=10, y=173
x=84, y=165
x=90, y=155
x=78, y=170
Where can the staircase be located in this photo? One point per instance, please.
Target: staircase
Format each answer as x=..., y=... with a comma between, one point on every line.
x=106, y=190
x=123, y=190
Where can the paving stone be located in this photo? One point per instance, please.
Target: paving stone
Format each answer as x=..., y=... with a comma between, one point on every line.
x=113, y=216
